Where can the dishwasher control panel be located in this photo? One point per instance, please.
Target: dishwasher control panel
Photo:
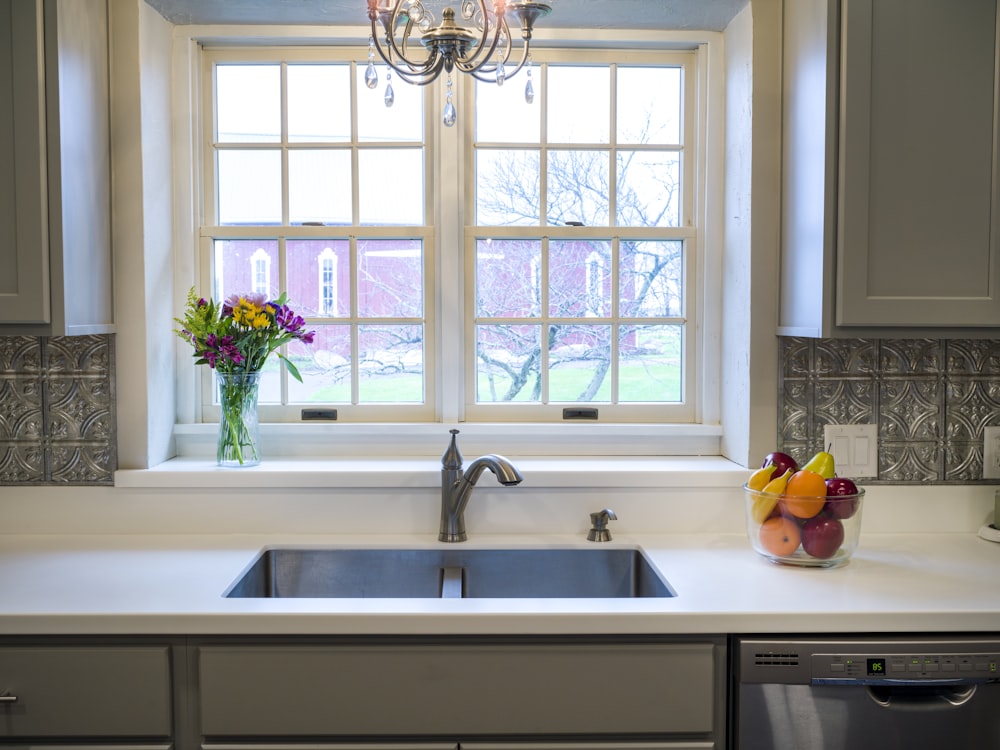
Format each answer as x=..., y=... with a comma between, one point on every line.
x=925, y=666
x=864, y=661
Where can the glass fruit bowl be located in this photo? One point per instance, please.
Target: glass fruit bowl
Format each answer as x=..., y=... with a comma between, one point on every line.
x=817, y=532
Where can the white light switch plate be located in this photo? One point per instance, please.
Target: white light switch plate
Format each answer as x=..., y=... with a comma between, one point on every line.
x=854, y=448
x=991, y=453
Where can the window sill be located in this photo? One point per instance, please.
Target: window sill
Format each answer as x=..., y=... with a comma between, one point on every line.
x=669, y=472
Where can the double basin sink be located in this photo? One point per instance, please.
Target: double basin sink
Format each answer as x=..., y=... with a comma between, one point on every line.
x=531, y=573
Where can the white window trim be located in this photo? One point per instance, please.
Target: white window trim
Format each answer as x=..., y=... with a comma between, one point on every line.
x=147, y=47
x=703, y=438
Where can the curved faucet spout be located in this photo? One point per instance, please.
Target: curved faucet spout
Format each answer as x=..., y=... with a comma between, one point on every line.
x=506, y=473
x=456, y=487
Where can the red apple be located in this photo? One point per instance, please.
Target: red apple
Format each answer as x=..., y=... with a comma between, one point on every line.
x=839, y=502
x=781, y=463
x=822, y=536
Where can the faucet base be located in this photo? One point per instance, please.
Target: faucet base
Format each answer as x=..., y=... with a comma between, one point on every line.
x=459, y=537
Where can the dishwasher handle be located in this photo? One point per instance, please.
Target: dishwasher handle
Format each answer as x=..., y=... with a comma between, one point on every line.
x=921, y=697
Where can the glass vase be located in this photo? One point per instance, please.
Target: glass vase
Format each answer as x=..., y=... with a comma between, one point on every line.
x=239, y=426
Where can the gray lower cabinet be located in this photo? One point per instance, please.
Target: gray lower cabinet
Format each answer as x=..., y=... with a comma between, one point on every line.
x=891, y=189
x=505, y=694
x=86, y=693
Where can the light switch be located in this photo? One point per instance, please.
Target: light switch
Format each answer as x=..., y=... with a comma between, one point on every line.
x=854, y=448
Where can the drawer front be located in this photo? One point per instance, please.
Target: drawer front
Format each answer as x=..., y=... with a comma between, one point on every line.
x=457, y=690
x=81, y=691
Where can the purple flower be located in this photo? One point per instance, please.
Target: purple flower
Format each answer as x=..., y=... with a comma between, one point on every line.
x=291, y=323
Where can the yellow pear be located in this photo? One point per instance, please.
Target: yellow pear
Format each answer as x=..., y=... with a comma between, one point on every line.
x=822, y=464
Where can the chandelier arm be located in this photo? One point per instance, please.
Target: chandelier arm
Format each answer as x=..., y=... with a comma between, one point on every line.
x=488, y=74
x=470, y=64
x=424, y=77
x=391, y=51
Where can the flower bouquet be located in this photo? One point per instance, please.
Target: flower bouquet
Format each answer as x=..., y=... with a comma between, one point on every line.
x=235, y=339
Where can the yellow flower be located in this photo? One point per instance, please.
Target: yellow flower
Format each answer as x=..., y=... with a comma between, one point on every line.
x=246, y=313
x=260, y=320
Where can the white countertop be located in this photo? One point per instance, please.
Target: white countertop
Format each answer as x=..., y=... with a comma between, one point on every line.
x=174, y=584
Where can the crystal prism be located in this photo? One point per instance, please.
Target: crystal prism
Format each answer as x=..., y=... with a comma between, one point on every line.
x=450, y=115
x=390, y=95
x=529, y=92
x=371, y=77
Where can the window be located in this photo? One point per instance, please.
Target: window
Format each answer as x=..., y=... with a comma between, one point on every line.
x=558, y=244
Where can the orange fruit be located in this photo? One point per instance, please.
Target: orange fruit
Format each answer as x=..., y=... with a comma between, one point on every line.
x=805, y=494
x=780, y=536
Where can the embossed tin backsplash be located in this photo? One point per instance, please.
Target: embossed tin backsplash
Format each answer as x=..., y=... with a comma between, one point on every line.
x=57, y=410
x=930, y=398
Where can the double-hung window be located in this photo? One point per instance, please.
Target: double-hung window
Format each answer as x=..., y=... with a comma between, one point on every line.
x=548, y=252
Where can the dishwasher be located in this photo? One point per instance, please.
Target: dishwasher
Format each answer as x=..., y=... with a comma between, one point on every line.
x=861, y=693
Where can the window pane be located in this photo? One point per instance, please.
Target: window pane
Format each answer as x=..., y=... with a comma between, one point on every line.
x=507, y=278
x=507, y=187
x=316, y=96
x=649, y=189
x=249, y=187
x=579, y=278
x=649, y=105
x=578, y=188
x=238, y=264
x=403, y=121
x=652, y=279
x=651, y=359
x=391, y=363
x=508, y=363
x=503, y=115
x=579, y=362
x=391, y=185
x=390, y=278
x=319, y=186
x=319, y=277
x=325, y=367
x=248, y=103
x=579, y=104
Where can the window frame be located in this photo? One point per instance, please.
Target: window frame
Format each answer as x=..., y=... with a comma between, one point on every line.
x=700, y=437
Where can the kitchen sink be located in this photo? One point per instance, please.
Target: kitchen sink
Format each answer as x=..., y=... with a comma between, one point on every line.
x=603, y=572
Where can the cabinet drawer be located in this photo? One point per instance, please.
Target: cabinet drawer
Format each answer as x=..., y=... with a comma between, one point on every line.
x=457, y=690
x=79, y=691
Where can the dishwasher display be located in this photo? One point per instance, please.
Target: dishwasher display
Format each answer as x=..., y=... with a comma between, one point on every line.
x=866, y=693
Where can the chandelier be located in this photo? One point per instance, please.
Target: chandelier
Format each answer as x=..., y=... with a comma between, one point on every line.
x=482, y=49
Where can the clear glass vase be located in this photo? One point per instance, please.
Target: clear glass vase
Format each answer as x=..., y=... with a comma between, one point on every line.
x=239, y=426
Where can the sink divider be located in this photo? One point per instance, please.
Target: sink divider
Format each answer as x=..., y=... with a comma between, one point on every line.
x=451, y=582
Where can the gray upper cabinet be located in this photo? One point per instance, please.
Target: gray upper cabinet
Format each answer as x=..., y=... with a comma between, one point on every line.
x=55, y=169
x=890, y=196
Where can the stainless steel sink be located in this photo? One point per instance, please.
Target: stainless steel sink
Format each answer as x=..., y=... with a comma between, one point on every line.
x=599, y=572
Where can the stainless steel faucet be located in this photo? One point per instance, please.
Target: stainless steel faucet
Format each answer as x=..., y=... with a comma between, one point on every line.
x=456, y=487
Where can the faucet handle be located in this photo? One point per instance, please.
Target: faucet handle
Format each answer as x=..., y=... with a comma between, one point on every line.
x=452, y=458
x=599, y=521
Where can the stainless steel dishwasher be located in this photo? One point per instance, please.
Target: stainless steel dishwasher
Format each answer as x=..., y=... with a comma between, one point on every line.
x=884, y=693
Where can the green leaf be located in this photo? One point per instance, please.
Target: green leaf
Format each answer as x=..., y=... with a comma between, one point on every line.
x=292, y=369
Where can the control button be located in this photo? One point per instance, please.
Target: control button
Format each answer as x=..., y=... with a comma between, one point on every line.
x=914, y=668
x=948, y=667
x=931, y=667
x=982, y=666
x=837, y=667
x=965, y=667
x=897, y=666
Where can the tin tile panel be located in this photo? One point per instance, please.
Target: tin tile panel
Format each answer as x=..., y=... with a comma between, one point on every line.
x=57, y=410
x=931, y=399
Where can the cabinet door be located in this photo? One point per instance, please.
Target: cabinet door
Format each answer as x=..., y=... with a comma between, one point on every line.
x=66, y=691
x=918, y=233
x=24, y=268
x=459, y=690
